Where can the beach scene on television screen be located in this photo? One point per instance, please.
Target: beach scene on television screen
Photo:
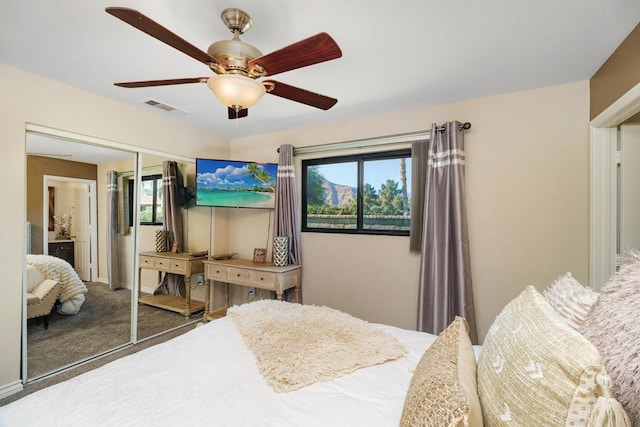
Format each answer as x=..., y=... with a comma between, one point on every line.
x=235, y=184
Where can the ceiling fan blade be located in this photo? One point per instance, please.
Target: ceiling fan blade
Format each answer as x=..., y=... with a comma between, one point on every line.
x=149, y=26
x=233, y=114
x=299, y=95
x=312, y=50
x=148, y=83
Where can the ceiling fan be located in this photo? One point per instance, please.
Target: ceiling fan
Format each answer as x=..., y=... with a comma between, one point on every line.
x=237, y=65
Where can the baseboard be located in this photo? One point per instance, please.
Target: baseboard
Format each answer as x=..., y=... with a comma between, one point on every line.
x=11, y=388
x=106, y=282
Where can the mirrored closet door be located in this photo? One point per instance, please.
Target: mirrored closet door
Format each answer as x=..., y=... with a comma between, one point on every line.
x=161, y=313
x=69, y=209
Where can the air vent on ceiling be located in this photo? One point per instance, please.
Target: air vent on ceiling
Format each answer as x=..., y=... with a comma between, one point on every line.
x=165, y=107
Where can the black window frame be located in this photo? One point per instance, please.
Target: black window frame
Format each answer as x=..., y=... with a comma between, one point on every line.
x=155, y=178
x=360, y=159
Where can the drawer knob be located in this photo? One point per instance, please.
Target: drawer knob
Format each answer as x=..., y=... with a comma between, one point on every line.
x=238, y=274
x=262, y=278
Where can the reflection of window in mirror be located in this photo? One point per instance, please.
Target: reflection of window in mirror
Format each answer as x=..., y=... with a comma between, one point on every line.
x=150, y=200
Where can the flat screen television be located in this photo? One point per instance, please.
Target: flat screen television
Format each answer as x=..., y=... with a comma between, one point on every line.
x=235, y=184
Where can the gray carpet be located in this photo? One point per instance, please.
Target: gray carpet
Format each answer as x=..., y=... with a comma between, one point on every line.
x=102, y=323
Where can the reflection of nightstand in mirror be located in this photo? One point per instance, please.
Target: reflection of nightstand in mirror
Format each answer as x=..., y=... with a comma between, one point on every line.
x=177, y=263
x=62, y=249
x=244, y=272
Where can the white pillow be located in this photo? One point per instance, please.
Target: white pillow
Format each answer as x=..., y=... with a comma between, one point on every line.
x=34, y=277
x=72, y=305
x=613, y=326
x=570, y=299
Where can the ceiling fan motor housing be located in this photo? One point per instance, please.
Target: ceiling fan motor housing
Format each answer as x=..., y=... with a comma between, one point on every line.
x=234, y=55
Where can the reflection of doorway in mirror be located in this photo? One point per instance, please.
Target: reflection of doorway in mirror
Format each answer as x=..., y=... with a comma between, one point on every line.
x=81, y=230
x=73, y=197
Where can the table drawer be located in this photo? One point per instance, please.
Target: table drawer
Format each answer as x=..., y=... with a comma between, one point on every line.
x=263, y=279
x=217, y=272
x=147, y=261
x=178, y=266
x=238, y=275
x=162, y=264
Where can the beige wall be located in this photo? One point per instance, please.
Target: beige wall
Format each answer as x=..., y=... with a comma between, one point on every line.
x=619, y=73
x=527, y=193
x=27, y=98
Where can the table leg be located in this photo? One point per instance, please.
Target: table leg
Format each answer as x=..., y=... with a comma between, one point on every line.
x=187, y=288
x=207, y=299
x=226, y=302
x=296, y=291
x=279, y=295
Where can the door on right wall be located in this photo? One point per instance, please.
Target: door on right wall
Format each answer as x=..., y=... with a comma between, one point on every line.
x=628, y=189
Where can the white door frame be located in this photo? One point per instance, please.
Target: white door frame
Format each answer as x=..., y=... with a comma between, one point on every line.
x=92, y=256
x=603, y=186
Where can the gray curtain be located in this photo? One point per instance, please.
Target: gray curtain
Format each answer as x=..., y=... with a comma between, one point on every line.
x=123, y=205
x=113, y=275
x=418, y=178
x=445, y=268
x=172, y=182
x=286, y=204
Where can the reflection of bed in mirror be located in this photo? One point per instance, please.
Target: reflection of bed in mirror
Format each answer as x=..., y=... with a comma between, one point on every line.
x=73, y=290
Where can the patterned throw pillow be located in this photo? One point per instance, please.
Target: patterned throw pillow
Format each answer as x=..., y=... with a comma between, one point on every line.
x=535, y=370
x=443, y=389
x=613, y=326
x=570, y=299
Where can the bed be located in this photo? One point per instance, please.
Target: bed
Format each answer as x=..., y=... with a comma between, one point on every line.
x=73, y=290
x=208, y=376
x=535, y=367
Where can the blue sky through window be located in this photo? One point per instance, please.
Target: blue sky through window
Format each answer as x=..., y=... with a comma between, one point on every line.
x=376, y=172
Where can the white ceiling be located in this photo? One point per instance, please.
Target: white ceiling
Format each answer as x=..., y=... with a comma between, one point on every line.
x=65, y=149
x=396, y=54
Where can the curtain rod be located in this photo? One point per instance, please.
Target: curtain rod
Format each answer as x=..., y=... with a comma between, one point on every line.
x=395, y=139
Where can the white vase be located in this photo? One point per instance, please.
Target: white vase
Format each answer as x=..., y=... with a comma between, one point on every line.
x=281, y=251
x=161, y=241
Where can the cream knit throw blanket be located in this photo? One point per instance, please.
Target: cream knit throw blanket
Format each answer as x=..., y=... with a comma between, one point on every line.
x=61, y=271
x=297, y=345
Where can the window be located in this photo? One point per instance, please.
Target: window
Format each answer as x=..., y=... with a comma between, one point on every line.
x=365, y=193
x=151, y=200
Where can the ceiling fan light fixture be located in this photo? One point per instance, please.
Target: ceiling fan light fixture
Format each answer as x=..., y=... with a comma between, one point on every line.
x=237, y=92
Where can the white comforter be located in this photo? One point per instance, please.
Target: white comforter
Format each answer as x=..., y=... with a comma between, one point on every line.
x=207, y=377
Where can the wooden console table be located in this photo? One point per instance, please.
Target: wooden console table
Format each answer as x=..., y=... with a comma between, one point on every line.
x=177, y=263
x=247, y=273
